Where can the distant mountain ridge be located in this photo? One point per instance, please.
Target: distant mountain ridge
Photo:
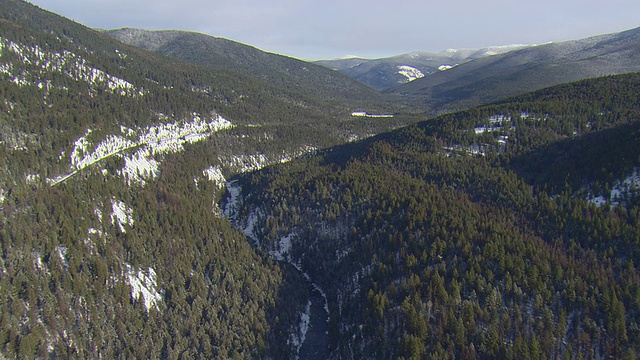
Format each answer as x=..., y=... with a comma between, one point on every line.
x=421, y=81
x=490, y=78
x=278, y=70
x=386, y=72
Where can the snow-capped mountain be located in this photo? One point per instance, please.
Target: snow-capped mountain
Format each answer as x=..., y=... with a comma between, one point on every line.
x=391, y=71
x=517, y=70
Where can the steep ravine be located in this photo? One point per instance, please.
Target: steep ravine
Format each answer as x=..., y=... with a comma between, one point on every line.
x=316, y=342
x=311, y=337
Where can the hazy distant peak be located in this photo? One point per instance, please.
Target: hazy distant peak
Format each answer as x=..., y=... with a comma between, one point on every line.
x=348, y=57
x=486, y=51
x=150, y=40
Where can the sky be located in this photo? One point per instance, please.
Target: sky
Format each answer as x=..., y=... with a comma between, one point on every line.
x=327, y=29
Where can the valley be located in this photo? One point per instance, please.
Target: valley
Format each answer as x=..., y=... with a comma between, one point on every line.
x=167, y=194
x=384, y=227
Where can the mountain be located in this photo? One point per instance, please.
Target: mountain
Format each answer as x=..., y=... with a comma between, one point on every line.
x=152, y=207
x=494, y=77
x=506, y=231
x=391, y=71
x=282, y=71
x=112, y=161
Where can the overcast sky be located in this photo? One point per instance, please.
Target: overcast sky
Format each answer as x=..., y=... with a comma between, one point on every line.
x=323, y=29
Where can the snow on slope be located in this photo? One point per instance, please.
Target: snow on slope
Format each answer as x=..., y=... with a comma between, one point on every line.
x=143, y=286
x=214, y=173
x=240, y=163
x=297, y=337
x=620, y=191
x=81, y=157
x=488, y=51
x=121, y=214
x=445, y=67
x=41, y=62
x=410, y=72
x=151, y=142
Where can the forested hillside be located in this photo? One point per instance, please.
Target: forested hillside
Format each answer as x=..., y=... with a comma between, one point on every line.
x=298, y=76
x=507, y=231
x=112, y=160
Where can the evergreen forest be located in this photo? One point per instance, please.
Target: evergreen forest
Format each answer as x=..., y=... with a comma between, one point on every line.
x=477, y=234
x=183, y=207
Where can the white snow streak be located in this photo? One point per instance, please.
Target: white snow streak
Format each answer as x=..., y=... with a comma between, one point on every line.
x=121, y=215
x=298, y=337
x=445, y=67
x=144, y=286
x=140, y=166
x=620, y=191
x=282, y=248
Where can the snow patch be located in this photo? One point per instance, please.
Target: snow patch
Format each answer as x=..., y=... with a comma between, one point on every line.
x=89, y=242
x=410, y=72
x=240, y=163
x=62, y=253
x=471, y=149
x=121, y=215
x=234, y=201
x=32, y=178
x=98, y=213
x=620, y=191
x=95, y=231
x=250, y=225
x=168, y=138
x=298, y=337
x=282, y=248
x=154, y=140
x=301, y=151
x=112, y=145
x=366, y=114
x=214, y=173
x=598, y=200
x=140, y=166
x=66, y=63
x=445, y=67
x=144, y=286
x=245, y=163
x=37, y=262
